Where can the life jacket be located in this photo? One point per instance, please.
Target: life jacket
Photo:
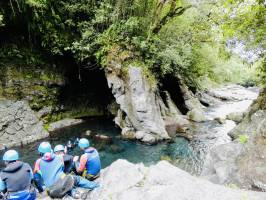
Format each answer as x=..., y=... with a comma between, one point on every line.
x=93, y=165
x=17, y=177
x=52, y=168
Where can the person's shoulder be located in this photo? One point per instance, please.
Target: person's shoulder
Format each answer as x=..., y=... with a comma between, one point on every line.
x=26, y=164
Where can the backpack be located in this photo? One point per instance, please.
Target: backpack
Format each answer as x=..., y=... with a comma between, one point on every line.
x=61, y=187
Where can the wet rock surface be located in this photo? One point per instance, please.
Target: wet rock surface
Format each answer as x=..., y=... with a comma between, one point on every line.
x=18, y=124
x=242, y=162
x=123, y=181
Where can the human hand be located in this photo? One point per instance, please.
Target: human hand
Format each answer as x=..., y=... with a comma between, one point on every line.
x=76, y=158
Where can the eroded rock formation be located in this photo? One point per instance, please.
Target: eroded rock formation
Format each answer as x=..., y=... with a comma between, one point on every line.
x=143, y=114
x=18, y=124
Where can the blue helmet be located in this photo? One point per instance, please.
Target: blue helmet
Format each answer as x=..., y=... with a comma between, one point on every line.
x=45, y=147
x=84, y=143
x=11, y=155
x=59, y=148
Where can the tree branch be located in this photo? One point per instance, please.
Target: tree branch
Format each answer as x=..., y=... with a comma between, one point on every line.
x=174, y=12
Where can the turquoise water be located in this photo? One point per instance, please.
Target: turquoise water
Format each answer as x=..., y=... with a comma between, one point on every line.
x=179, y=151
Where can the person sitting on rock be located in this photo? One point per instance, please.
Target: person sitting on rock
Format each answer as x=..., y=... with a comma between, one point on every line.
x=90, y=164
x=16, y=178
x=51, y=169
x=69, y=166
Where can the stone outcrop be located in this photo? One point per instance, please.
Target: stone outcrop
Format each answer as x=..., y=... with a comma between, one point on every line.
x=63, y=124
x=126, y=181
x=140, y=105
x=18, y=124
x=242, y=162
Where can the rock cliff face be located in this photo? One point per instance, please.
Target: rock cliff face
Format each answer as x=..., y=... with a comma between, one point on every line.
x=126, y=181
x=18, y=124
x=242, y=162
x=142, y=112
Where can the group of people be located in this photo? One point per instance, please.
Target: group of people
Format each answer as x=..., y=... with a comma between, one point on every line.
x=55, y=172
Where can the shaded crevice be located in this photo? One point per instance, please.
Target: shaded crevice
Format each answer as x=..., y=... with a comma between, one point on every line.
x=85, y=87
x=170, y=83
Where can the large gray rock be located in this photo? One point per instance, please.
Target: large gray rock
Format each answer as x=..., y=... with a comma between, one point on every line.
x=126, y=181
x=207, y=99
x=197, y=115
x=18, y=124
x=235, y=116
x=141, y=107
x=242, y=162
x=161, y=181
x=139, y=104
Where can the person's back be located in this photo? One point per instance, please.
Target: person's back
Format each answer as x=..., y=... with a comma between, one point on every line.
x=16, y=178
x=93, y=164
x=51, y=168
x=90, y=163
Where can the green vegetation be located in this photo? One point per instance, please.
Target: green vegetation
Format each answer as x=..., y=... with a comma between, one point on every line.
x=245, y=20
x=181, y=38
x=243, y=138
x=169, y=37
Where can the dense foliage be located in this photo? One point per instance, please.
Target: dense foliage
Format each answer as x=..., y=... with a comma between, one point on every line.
x=246, y=20
x=167, y=36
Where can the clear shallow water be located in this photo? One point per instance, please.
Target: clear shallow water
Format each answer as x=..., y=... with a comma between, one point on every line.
x=182, y=153
x=179, y=151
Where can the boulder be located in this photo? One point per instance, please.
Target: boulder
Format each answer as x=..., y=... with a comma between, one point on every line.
x=220, y=120
x=123, y=180
x=18, y=124
x=196, y=115
x=161, y=181
x=207, y=99
x=177, y=126
x=235, y=116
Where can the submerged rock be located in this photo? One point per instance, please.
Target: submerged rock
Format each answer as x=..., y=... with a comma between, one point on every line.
x=18, y=124
x=102, y=137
